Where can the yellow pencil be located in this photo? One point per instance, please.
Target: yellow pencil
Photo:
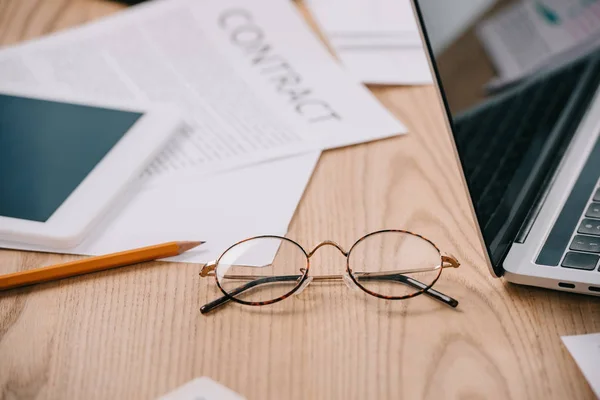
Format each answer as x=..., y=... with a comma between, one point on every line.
x=94, y=264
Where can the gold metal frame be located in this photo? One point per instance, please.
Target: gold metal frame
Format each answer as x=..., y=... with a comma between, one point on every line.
x=446, y=261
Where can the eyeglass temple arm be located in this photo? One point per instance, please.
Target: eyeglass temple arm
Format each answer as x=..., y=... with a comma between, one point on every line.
x=291, y=278
x=448, y=261
x=431, y=292
x=261, y=281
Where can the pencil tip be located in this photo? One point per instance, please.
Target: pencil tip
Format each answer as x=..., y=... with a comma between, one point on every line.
x=185, y=246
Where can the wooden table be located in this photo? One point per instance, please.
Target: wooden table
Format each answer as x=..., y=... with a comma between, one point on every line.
x=136, y=333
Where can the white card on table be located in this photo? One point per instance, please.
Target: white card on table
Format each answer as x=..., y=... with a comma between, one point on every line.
x=202, y=388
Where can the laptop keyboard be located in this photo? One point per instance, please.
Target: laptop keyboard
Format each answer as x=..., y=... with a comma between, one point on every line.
x=493, y=142
x=491, y=159
x=574, y=240
x=584, y=243
x=584, y=250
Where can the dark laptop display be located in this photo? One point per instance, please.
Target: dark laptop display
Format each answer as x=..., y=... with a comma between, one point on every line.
x=510, y=142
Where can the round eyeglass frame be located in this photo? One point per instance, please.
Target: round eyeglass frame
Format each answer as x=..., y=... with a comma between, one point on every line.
x=348, y=269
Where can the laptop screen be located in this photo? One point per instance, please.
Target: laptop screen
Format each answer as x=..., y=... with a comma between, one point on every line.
x=510, y=118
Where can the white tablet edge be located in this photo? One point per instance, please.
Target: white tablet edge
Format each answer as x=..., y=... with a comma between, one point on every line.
x=108, y=179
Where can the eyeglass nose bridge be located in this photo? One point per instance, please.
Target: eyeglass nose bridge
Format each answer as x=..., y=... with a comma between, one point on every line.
x=328, y=243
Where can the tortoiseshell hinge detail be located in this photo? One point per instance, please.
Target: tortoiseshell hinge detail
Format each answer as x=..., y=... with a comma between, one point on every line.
x=207, y=269
x=449, y=261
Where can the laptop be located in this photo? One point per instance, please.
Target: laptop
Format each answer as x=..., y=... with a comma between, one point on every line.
x=530, y=155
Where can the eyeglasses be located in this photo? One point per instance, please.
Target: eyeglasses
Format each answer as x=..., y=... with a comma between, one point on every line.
x=388, y=264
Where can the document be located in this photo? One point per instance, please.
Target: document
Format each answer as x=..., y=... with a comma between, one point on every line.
x=585, y=349
x=377, y=41
x=254, y=80
x=221, y=209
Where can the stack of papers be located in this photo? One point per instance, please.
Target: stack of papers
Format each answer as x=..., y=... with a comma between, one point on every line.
x=262, y=95
x=377, y=41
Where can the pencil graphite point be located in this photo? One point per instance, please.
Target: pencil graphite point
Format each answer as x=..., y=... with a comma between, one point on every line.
x=185, y=246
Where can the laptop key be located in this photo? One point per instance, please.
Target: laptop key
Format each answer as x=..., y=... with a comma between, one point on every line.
x=583, y=261
x=593, y=210
x=585, y=243
x=597, y=195
x=589, y=227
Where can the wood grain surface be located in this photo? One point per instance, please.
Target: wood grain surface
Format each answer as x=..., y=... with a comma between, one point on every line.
x=137, y=333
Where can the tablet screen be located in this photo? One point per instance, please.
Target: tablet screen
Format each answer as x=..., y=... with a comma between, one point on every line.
x=47, y=148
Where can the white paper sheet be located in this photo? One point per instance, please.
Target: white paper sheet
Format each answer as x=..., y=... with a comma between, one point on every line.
x=367, y=16
x=221, y=209
x=408, y=66
x=377, y=41
x=253, y=78
x=585, y=349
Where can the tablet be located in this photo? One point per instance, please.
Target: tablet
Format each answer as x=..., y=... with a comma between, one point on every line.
x=63, y=162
